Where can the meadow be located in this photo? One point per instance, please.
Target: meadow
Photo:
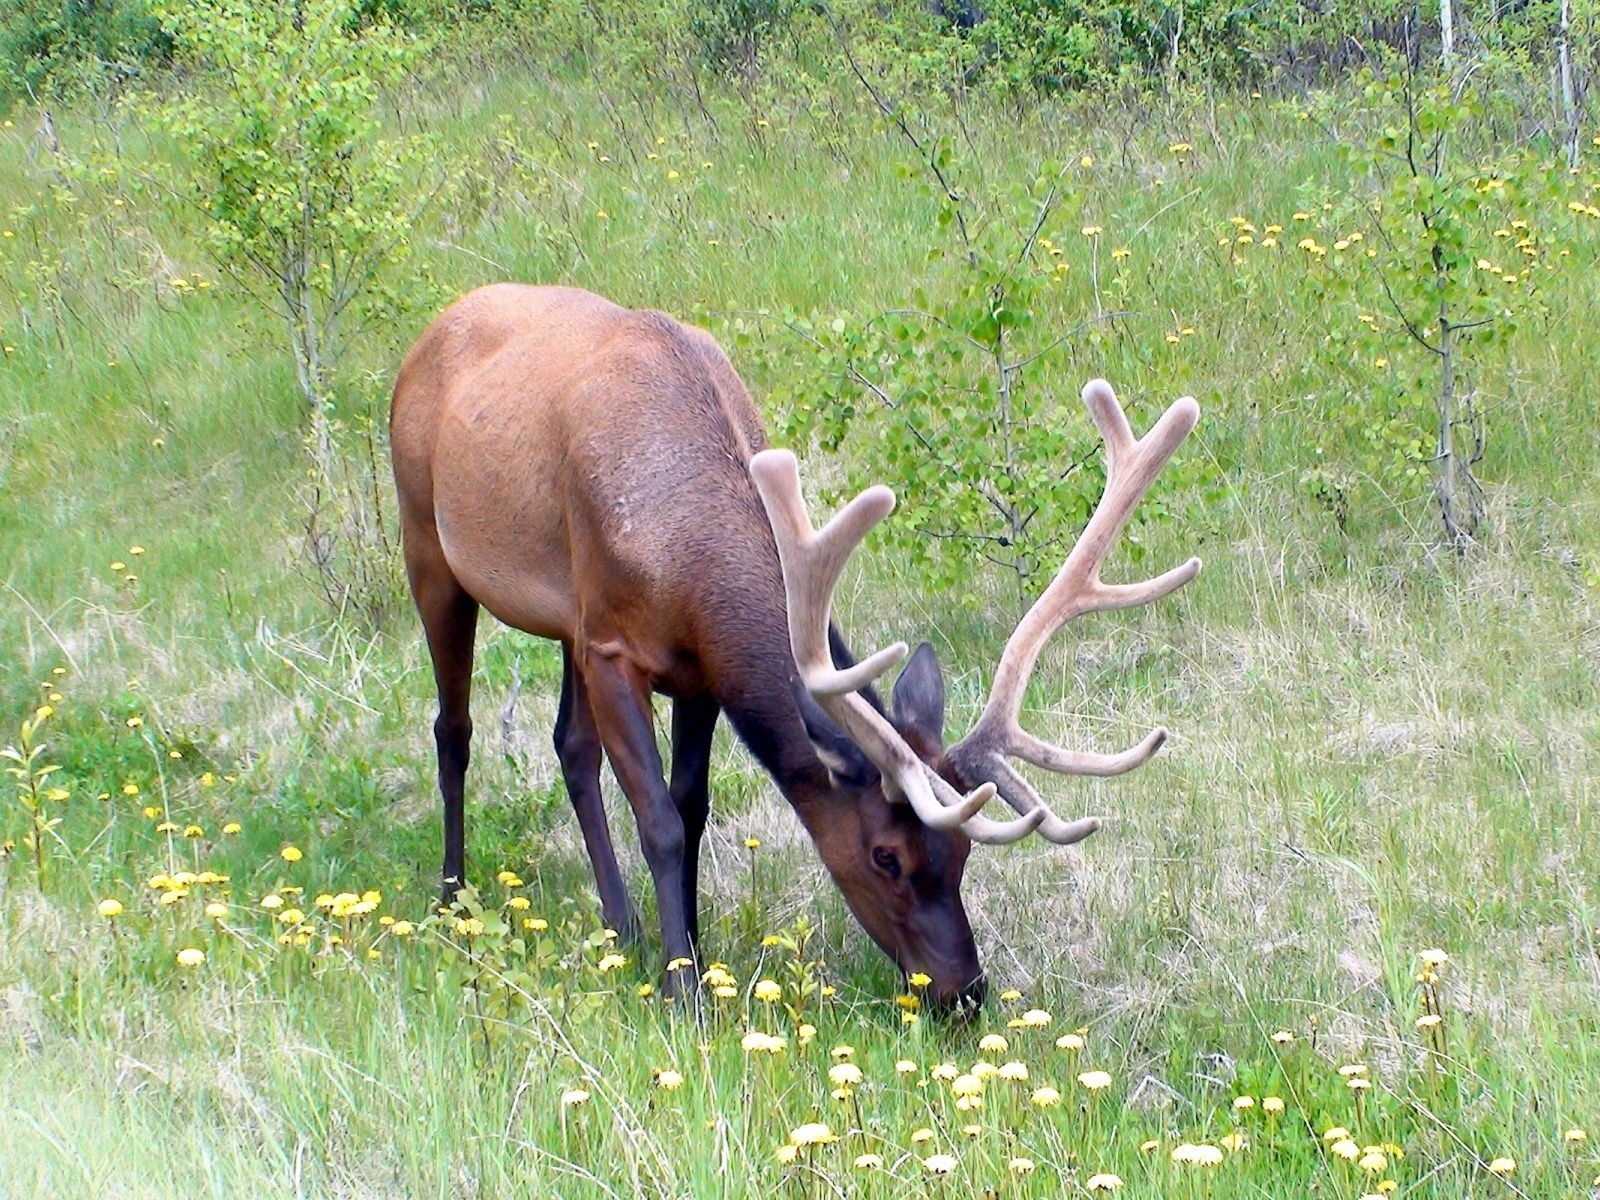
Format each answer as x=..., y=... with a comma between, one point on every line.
x=1339, y=940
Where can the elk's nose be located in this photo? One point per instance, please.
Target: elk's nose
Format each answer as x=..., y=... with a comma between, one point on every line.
x=961, y=999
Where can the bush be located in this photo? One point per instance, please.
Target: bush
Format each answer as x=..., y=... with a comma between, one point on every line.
x=44, y=42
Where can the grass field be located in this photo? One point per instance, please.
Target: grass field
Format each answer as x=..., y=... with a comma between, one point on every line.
x=1380, y=749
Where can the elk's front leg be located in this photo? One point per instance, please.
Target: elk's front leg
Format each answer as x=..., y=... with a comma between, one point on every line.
x=619, y=697
x=577, y=744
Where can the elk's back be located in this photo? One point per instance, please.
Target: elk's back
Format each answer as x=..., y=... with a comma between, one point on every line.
x=574, y=462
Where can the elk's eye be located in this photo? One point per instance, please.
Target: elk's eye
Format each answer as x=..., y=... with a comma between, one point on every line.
x=886, y=861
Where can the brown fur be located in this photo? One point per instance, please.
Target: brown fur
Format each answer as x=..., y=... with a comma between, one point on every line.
x=579, y=469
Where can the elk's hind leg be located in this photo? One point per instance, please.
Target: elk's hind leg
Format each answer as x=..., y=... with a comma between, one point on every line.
x=694, y=721
x=578, y=749
x=450, y=621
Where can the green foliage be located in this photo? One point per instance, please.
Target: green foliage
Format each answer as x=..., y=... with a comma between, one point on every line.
x=48, y=42
x=312, y=206
x=990, y=463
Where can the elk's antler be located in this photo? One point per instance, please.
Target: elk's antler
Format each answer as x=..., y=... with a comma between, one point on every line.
x=1131, y=464
x=812, y=560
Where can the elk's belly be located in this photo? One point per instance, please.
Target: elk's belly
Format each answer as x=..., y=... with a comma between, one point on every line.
x=501, y=529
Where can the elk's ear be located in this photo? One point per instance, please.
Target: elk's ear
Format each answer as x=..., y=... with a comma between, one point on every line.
x=847, y=766
x=919, y=696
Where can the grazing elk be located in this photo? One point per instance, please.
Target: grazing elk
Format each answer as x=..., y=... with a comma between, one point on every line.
x=599, y=476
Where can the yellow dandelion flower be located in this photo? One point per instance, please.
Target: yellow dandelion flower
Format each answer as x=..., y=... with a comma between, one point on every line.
x=1095, y=1081
x=845, y=1074
x=1272, y=1104
x=919, y=979
x=1045, y=1097
x=1104, y=1182
x=919, y=1136
x=191, y=957
x=868, y=1162
x=940, y=1164
x=1374, y=1160
x=966, y=1085
x=231, y=828
x=1504, y=1165
x=574, y=1098
x=1070, y=1042
x=216, y=910
x=905, y=1067
x=1346, y=1149
x=1235, y=1142
x=291, y=854
x=110, y=909
x=1243, y=1103
x=993, y=1043
x=813, y=1133
x=1020, y=1166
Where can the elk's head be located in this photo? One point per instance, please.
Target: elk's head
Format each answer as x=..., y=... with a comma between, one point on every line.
x=900, y=852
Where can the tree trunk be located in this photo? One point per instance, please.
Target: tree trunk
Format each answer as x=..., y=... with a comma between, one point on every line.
x=1447, y=30
x=1569, y=100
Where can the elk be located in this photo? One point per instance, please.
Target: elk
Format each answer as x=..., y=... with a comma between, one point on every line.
x=599, y=476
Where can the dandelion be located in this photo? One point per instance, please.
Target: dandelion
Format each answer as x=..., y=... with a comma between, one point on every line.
x=842, y=1053
x=1070, y=1042
x=574, y=1098
x=1352, y=1070
x=191, y=957
x=402, y=928
x=1429, y=1021
x=231, y=828
x=940, y=1164
x=271, y=901
x=992, y=1043
x=1045, y=1097
x=1243, y=1103
x=813, y=1133
x=1235, y=1142
x=763, y=1043
x=1010, y=996
x=844, y=1075
x=1020, y=1166
x=1357, y=1084
x=1374, y=1160
x=1272, y=1105
x=1092, y=231
x=1346, y=1149
x=611, y=962
x=919, y=979
x=1105, y=1182
x=216, y=910
x=1573, y=1137
x=1149, y=1147
x=1503, y=1166
x=1015, y=1072
x=110, y=909
x=291, y=854
x=905, y=1067
x=1337, y=1133
x=1095, y=1081
x=868, y=1162
x=919, y=1136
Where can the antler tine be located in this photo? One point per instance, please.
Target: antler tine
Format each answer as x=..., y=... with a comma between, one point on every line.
x=1131, y=465
x=812, y=562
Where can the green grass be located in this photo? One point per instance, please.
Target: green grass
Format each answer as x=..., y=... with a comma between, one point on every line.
x=1377, y=748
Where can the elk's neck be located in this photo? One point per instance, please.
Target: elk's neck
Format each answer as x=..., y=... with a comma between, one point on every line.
x=745, y=649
